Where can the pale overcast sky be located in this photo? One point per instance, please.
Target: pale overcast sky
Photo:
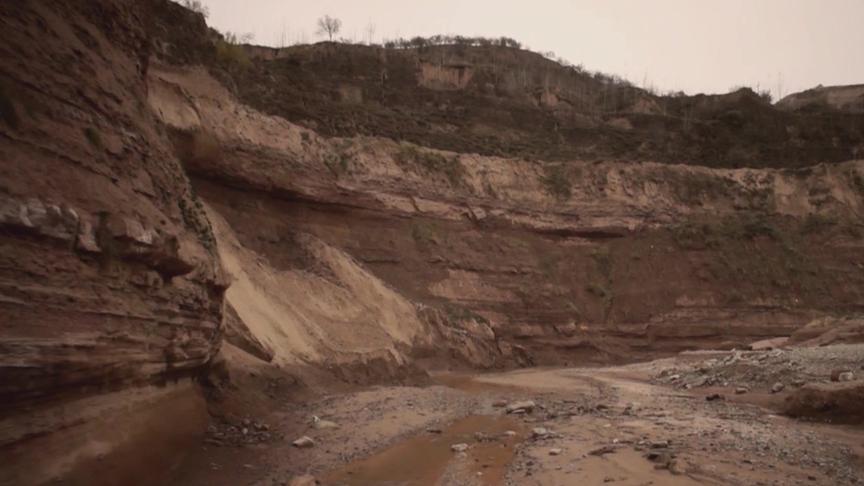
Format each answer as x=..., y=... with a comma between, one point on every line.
x=693, y=45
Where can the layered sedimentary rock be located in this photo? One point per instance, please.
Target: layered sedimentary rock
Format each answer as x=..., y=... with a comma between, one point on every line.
x=110, y=289
x=364, y=256
x=575, y=261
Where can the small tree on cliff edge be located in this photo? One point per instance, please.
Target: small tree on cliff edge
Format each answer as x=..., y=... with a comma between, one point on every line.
x=329, y=26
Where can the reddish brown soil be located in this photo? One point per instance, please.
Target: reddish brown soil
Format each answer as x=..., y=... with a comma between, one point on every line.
x=328, y=272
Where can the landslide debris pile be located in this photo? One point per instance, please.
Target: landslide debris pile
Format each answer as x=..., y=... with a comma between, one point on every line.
x=763, y=370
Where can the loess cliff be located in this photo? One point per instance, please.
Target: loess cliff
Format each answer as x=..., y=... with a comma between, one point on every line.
x=583, y=260
x=363, y=215
x=111, y=291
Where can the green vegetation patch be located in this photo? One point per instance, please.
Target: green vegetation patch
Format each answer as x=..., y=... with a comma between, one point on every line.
x=231, y=55
x=337, y=163
x=425, y=232
x=758, y=251
x=603, y=259
x=692, y=235
x=93, y=137
x=817, y=223
x=598, y=289
x=195, y=218
x=556, y=180
x=457, y=313
x=411, y=157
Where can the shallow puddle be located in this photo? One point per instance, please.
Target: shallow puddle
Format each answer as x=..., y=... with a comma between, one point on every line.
x=423, y=459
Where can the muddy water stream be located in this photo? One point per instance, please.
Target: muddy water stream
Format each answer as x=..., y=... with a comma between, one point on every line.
x=423, y=459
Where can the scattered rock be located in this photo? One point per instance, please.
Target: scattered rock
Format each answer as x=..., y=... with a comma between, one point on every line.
x=659, y=444
x=835, y=374
x=459, y=447
x=676, y=467
x=600, y=451
x=555, y=452
x=704, y=381
x=324, y=424
x=741, y=390
x=526, y=406
x=840, y=374
x=777, y=387
x=715, y=397
x=434, y=430
x=304, y=442
x=482, y=437
x=499, y=403
x=661, y=460
x=245, y=432
x=510, y=433
x=769, y=344
x=540, y=432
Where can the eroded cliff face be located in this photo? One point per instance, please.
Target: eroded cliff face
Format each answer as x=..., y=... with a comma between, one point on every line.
x=562, y=262
x=362, y=258
x=110, y=288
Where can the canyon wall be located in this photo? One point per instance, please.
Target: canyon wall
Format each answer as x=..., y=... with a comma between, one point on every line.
x=110, y=286
x=563, y=262
x=160, y=204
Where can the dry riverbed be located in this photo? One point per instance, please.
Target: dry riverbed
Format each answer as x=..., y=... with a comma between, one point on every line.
x=626, y=425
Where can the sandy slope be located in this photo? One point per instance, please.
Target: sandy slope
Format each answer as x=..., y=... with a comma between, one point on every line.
x=338, y=313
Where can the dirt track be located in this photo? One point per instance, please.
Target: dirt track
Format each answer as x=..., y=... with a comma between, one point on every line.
x=603, y=426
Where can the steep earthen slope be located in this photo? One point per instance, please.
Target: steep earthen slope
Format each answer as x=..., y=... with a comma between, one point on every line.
x=362, y=256
x=313, y=306
x=110, y=294
x=348, y=316
x=573, y=261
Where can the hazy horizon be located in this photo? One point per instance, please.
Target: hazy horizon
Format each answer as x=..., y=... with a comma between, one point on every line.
x=780, y=45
